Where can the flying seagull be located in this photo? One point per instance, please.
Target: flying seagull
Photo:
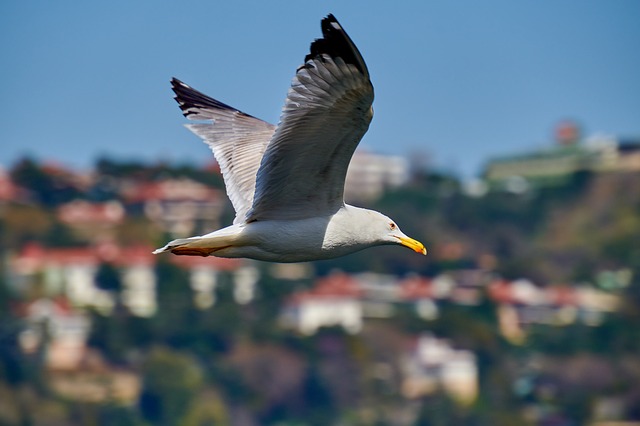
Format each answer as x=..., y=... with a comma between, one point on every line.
x=286, y=182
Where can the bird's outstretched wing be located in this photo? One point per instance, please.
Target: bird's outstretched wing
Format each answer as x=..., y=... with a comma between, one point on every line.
x=326, y=113
x=237, y=140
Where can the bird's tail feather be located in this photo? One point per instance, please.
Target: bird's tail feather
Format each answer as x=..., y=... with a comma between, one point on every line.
x=198, y=246
x=172, y=244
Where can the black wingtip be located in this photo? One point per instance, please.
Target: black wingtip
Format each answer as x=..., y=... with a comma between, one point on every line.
x=191, y=100
x=336, y=43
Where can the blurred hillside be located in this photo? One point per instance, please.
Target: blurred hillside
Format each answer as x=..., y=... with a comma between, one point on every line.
x=525, y=312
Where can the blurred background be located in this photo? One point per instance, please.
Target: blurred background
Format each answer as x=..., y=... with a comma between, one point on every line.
x=506, y=138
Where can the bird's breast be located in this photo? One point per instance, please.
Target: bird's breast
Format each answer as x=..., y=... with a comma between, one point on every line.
x=295, y=240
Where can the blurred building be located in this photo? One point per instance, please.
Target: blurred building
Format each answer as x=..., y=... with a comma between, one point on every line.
x=66, y=272
x=521, y=303
x=91, y=219
x=55, y=329
x=338, y=299
x=570, y=154
x=433, y=364
x=333, y=301
x=71, y=273
x=369, y=175
x=347, y=300
x=204, y=273
x=181, y=207
x=57, y=334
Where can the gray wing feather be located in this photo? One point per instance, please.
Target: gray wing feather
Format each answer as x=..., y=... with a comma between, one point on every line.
x=238, y=141
x=326, y=113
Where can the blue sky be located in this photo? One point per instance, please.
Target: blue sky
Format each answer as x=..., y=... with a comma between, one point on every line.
x=458, y=82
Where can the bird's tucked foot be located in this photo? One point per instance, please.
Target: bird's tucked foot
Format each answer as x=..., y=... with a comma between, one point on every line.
x=195, y=251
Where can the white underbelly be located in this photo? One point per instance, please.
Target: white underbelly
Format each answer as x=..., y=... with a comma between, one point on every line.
x=288, y=241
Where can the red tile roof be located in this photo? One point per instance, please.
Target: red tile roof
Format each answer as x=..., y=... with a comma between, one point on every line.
x=83, y=212
x=337, y=285
x=416, y=288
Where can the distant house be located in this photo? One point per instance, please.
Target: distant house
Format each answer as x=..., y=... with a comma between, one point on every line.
x=546, y=166
x=58, y=333
x=521, y=302
x=68, y=272
x=433, y=364
x=423, y=292
x=369, y=175
x=379, y=294
x=554, y=164
x=203, y=277
x=58, y=330
x=90, y=217
x=177, y=206
x=83, y=212
x=71, y=272
x=334, y=301
x=345, y=300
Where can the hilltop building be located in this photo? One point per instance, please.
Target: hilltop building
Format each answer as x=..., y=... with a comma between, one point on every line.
x=569, y=155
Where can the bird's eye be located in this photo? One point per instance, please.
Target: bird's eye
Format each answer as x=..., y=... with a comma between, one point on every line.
x=392, y=226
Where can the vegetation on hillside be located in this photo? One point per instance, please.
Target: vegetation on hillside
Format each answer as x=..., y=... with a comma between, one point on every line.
x=234, y=364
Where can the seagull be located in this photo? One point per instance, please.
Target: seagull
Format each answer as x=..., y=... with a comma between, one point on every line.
x=286, y=182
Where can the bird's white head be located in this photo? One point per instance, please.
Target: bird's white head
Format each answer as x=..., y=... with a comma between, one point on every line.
x=387, y=232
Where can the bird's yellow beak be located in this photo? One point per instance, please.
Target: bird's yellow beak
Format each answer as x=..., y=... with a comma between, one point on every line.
x=414, y=245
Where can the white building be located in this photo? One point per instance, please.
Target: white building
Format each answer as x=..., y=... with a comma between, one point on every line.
x=598, y=153
x=139, y=289
x=54, y=327
x=434, y=364
x=178, y=206
x=334, y=301
x=370, y=174
x=71, y=272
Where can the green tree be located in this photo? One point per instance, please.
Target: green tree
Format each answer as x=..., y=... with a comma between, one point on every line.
x=171, y=382
x=47, y=188
x=11, y=359
x=175, y=322
x=108, y=277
